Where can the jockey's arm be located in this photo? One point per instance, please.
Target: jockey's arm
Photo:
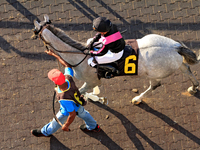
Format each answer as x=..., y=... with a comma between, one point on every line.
x=100, y=52
x=95, y=39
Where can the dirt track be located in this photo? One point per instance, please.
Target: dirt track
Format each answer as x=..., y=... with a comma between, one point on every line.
x=169, y=118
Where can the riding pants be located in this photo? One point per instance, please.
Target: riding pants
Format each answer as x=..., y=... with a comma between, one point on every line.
x=107, y=58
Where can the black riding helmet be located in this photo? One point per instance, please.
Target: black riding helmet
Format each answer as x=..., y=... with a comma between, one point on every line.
x=102, y=24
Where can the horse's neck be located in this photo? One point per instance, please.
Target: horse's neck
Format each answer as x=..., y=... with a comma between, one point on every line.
x=72, y=59
x=62, y=46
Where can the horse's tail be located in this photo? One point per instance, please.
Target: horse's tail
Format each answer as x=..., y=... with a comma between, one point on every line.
x=189, y=56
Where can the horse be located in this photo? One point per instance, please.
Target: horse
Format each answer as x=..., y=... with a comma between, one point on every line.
x=158, y=58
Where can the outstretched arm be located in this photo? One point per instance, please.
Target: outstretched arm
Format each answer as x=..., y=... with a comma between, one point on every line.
x=62, y=61
x=70, y=119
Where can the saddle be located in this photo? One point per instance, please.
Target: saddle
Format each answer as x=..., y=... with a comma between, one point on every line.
x=127, y=65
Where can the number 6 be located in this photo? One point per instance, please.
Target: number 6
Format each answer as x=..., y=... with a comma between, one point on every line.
x=128, y=65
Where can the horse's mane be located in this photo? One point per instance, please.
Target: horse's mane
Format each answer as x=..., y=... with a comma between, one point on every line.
x=65, y=38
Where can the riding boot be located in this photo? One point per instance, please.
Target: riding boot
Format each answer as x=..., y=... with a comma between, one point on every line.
x=111, y=71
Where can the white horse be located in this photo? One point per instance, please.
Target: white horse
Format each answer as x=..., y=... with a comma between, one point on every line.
x=159, y=57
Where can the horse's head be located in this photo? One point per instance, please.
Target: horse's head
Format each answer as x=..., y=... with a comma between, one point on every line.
x=39, y=26
x=55, y=37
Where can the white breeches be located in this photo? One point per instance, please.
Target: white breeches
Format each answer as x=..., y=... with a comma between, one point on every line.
x=107, y=58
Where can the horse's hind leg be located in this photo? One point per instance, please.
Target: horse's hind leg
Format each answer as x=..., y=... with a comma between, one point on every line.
x=153, y=85
x=186, y=70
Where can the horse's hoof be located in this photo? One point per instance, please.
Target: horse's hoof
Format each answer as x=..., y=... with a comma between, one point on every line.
x=103, y=100
x=136, y=100
x=191, y=91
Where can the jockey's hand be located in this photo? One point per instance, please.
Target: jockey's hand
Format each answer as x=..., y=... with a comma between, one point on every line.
x=90, y=46
x=87, y=52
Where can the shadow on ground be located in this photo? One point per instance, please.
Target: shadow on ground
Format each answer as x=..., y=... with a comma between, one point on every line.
x=131, y=130
x=55, y=144
x=170, y=122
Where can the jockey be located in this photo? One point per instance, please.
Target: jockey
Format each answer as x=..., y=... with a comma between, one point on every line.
x=107, y=45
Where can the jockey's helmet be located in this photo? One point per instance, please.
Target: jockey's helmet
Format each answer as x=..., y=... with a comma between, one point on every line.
x=102, y=24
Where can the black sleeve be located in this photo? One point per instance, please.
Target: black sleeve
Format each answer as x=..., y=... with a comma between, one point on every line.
x=97, y=37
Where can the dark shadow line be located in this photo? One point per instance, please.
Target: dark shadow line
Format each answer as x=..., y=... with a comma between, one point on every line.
x=112, y=11
x=55, y=144
x=105, y=140
x=35, y=56
x=81, y=10
x=19, y=7
x=87, y=8
x=170, y=122
x=139, y=27
x=131, y=130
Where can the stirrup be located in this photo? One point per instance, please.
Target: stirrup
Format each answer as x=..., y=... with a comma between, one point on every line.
x=109, y=75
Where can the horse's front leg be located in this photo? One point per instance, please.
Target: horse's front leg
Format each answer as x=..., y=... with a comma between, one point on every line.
x=153, y=85
x=93, y=95
x=90, y=85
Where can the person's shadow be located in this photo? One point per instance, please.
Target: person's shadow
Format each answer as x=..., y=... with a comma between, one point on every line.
x=131, y=131
x=57, y=145
x=104, y=139
x=170, y=122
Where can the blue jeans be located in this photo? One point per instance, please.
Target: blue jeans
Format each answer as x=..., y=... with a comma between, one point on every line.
x=53, y=126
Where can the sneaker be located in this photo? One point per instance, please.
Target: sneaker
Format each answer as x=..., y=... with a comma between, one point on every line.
x=84, y=128
x=38, y=133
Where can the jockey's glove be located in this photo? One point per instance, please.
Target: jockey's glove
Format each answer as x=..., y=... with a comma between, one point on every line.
x=90, y=46
x=87, y=52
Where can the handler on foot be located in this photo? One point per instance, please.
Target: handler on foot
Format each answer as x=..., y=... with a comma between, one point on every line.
x=71, y=103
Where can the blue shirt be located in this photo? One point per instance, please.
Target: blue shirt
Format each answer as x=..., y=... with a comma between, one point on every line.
x=67, y=106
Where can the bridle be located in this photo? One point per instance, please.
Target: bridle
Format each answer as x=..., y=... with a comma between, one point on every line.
x=46, y=44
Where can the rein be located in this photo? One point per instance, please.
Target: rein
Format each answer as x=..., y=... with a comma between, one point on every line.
x=54, y=95
x=67, y=52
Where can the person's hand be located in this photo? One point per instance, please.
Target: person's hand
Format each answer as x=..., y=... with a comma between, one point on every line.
x=83, y=100
x=86, y=52
x=90, y=46
x=65, y=128
x=50, y=52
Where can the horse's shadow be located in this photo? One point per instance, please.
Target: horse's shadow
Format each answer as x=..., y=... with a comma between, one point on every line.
x=131, y=130
x=197, y=94
x=170, y=122
x=55, y=144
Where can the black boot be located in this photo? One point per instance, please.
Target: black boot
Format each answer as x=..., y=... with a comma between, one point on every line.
x=110, y=70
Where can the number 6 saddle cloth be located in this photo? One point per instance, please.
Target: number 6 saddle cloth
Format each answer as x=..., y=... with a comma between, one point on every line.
x=128, y=64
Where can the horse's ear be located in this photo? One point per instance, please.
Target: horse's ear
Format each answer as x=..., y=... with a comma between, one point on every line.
x=46, y=18
x=36, y=24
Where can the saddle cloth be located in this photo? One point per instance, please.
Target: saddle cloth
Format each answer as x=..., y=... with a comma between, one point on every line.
x=128, y=64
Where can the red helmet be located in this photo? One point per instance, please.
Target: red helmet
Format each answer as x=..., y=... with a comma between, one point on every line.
x=102, y=24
